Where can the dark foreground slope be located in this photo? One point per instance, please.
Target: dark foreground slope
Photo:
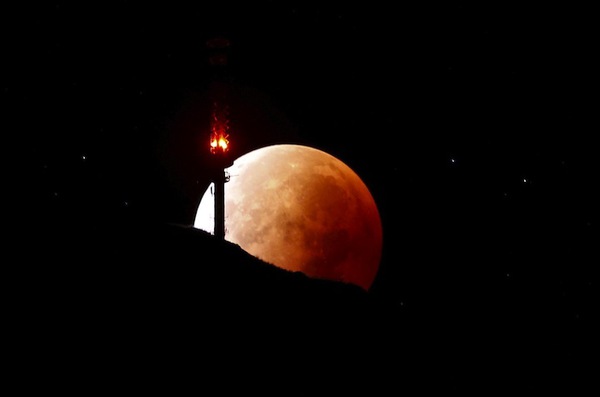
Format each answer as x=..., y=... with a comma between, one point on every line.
x=130, y=306
x=146, y=308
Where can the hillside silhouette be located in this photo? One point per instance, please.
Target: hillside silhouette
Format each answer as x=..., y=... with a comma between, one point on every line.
x=135, y=306
x=161, y=307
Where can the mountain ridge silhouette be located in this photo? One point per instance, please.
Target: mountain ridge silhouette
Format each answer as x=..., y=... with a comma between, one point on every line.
x=128, y=304
x=156, y=300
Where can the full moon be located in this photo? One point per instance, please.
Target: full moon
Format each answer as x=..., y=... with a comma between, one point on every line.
x=300, y=209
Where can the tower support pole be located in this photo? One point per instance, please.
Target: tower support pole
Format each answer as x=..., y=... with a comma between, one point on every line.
x=219, y=182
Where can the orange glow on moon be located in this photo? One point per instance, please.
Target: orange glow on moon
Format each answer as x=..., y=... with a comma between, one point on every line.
x=301, y=209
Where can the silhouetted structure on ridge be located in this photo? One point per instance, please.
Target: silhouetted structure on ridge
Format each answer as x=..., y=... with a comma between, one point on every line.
x=219, y=127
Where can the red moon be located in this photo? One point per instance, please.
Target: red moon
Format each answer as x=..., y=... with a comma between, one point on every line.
x=300, y=209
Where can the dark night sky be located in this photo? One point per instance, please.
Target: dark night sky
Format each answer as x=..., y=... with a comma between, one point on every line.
x=470, y=124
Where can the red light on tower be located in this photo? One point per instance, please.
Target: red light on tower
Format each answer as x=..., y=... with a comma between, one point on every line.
x=219, y=142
